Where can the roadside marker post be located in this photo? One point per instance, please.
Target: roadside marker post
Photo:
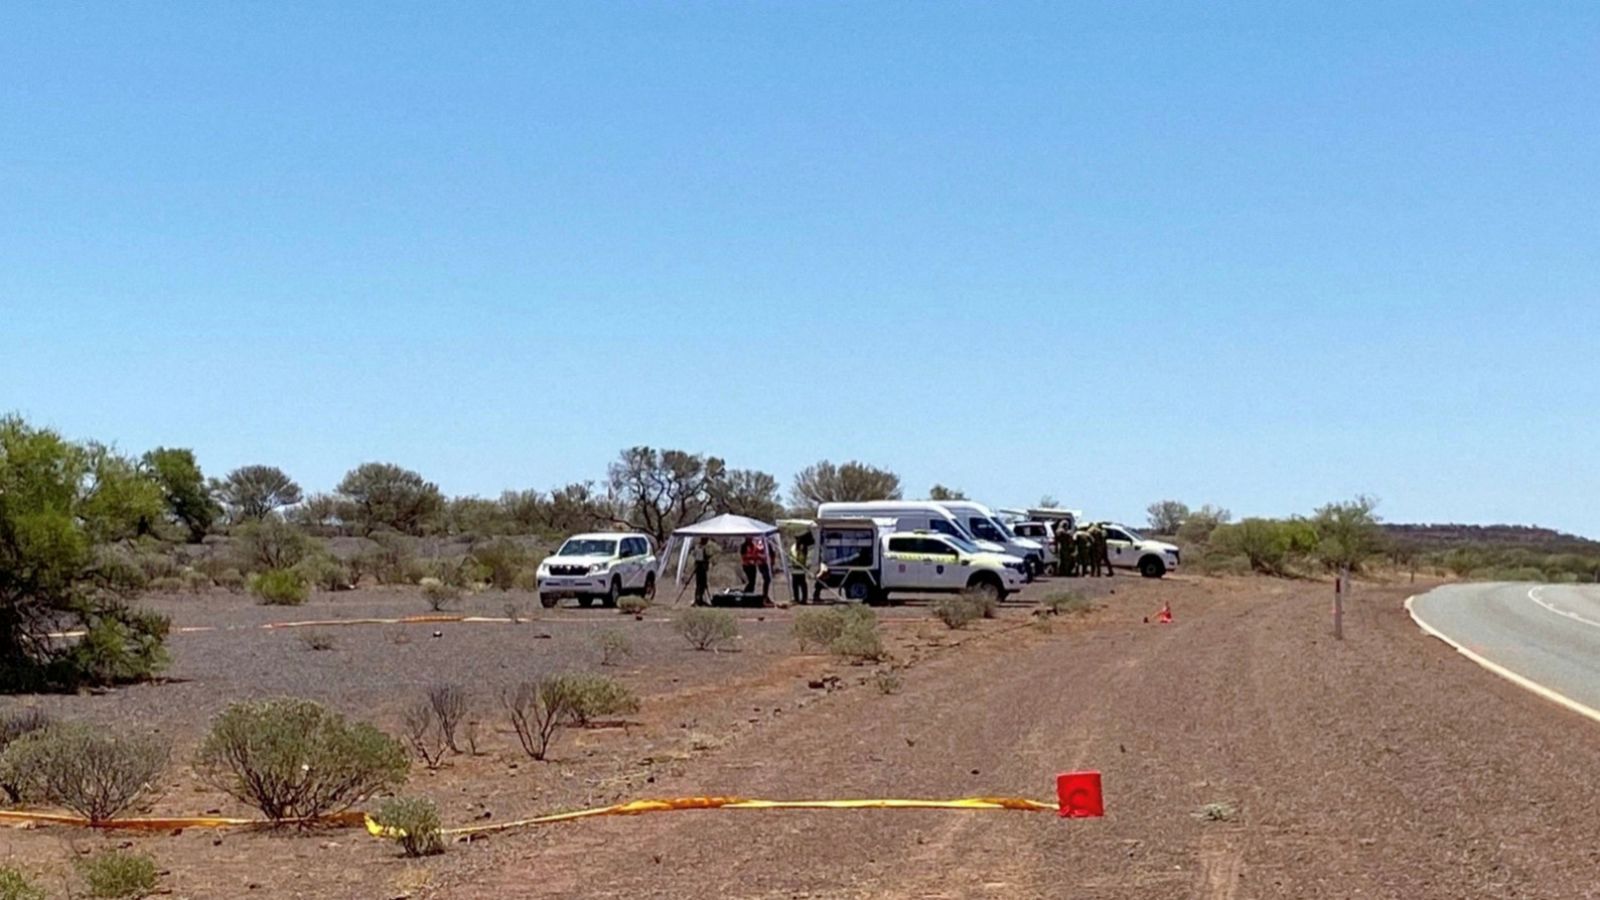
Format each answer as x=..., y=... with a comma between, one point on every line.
x=1340, y=584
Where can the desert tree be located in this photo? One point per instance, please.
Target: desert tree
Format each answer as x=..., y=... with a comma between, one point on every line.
x=254, y=492
x=658, y=491
x=377, y=496
x=1348, y=533
x=940, y=492
x=61, y=505
x=1166, y=516
x=184, y=491
x=747, y=492
x=825, y=482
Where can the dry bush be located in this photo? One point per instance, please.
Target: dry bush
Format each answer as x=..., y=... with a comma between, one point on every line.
x=538, y=711
x=451, y=704
x=95, y=774
x=595, y=697
x=425, y=733
x=196, y=582
x=956, y=611
x=707, y=629
x=614, y=646
x=439, y=594
x=316, y=640
x=14, y=725
x=859, y=641
x=117, y=874
x=632, y=606
x=296, y=759
x=166, y=584
x=817, y=627
x=887, y=681
x=1068, y=603
x=415, y=821
x=231, y=580
x=325, y=573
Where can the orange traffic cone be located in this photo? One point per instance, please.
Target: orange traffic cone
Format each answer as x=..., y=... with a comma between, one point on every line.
x=1165, y=617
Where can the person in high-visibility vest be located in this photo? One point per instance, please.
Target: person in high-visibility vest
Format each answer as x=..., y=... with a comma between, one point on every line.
x=799, y=567
x=753, y=557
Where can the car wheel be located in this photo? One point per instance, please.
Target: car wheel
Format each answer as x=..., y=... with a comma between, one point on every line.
x=858, y=590
x=614, y=593
x=1034, y=569
x=987, y=587
x=585, y=601
x=1052, y=569
x=548, y=601
x=649, y=593
x=1152, y=567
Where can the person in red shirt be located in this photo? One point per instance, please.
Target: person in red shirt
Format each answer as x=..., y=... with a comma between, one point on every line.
x=756, y=559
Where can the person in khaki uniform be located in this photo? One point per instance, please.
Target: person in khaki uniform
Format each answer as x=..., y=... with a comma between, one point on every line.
x=1085, y=547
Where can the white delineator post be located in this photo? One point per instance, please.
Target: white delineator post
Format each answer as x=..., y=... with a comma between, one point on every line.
x=1340, y=584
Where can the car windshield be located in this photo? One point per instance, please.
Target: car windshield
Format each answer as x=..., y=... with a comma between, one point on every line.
x=1132, y=535
x=1003, y=528
x=588, y=547
x=962, y=543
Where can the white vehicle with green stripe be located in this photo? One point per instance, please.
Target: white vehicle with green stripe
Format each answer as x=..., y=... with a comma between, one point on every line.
x=867, y=563
x=601, y=566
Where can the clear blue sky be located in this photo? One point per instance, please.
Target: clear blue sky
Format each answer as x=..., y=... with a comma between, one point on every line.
x=1263, y=255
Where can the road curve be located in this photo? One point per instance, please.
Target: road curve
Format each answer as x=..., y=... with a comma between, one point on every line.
x=1544, y=637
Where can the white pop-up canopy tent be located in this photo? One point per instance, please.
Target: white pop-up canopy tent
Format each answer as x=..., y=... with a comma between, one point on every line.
x=724, y=529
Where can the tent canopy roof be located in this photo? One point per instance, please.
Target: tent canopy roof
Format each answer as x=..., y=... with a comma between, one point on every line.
x=726, y=525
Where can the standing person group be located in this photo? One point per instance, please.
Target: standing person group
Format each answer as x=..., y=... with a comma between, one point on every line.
x=1082, y=552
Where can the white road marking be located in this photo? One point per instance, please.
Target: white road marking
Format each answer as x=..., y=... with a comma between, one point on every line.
x=1533, y=594
x=1521, y=681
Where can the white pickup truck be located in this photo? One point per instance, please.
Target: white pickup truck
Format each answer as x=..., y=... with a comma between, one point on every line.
x=866, y=562
x=1127, y=550
x=600, y=567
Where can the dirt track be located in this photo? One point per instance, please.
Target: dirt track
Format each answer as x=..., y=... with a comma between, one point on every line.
x=1380, y=767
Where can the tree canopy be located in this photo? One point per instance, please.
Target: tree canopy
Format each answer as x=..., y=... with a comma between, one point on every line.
x=857, y=482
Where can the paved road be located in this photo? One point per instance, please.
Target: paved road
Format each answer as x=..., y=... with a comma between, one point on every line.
x=1548, y=634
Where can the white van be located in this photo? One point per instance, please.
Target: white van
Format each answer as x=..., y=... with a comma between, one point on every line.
x=985, y=526
x=908, y=515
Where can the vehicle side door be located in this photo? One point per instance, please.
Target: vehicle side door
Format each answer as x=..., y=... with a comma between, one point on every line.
x=1119, y=547
x=631, y=565
x=944, y=561
x=905, y=565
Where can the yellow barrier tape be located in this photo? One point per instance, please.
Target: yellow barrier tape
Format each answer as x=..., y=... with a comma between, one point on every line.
x=638, y=807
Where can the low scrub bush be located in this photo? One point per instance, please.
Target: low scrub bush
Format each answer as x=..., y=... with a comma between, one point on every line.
x=707, y=629
x=439, y=594
x=500, y=562
x=538, y=711
x=166, y=584
x=196, y=582
x=415, y=824
x=887, y=681
x=817, y=628
x=119, y=645
x=93, y=773
x=425, y=734
x=857, y=639
x=231, y=580
x=13, y=725
x=296, y=759
x=270, y=544
x=280, y=587
x=14, y=885
x=1067, y=603
x=956, y=611
x=614, y=646
x=985, y=602
x=595, y=697
x=526, y=580
x=317, y=640
x=118, y=873
x=632, y=606
x=325, y=573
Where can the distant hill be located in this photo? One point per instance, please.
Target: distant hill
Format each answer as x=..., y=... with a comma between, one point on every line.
x=1431, y=538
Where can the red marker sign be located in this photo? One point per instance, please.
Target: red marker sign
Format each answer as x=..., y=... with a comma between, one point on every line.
x=1079, y=795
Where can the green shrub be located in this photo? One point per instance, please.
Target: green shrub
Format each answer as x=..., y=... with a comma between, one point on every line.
x=15, y=886
x=439, y=594
x=94, y=774
x=231, y=580
x=614, y=646
x=596, y=696
x=706, y=629
x=269, y=544
x=166, y=584
x=415, y=821
x=956, y=610
x=528, y=580
x=13, y=725
x=196, y=582
x=500, y=562
x=117, y=873
x=1068, y=603
x=324, y=572
x=860, y=643
x=122, y=645
x=280, y=587
x=632, y=606
x=817, y=627
x=296, y=759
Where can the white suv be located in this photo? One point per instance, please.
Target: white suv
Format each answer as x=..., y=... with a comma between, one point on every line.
x=598, y=567
x=1128, y=550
